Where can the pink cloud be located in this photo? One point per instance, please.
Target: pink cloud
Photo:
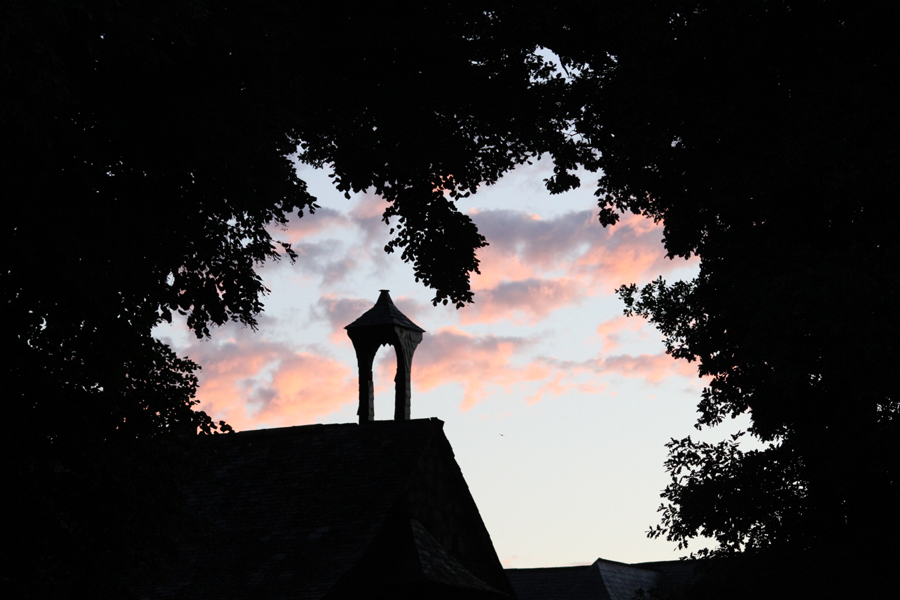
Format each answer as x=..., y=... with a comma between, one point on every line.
x=630, y=260
x=250, y=381
x=532, y=299
x=562, y=381
x=298, y=228
x=610, y=332
x=366, y=215
x=652, y=368
x=478, y=363
x=320, y=239
x=543, y=244
x=332, y=259
x=307, y=386
x=567, y=376
x=558, y=262
x=550, y=244
x=498, y=266
x=341, y=311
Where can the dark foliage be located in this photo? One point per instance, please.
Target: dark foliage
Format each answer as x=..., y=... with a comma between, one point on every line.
x=762, y=134
x=146, y=156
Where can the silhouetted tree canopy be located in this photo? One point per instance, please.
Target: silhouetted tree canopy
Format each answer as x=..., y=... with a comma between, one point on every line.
x=146, y=156
x=147, y=151
x=762, y=135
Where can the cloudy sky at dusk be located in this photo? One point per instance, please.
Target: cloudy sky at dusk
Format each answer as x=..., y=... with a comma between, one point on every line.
x=557, y=407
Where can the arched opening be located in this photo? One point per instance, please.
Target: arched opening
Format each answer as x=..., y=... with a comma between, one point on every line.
x=383, y=369
x=382, y=325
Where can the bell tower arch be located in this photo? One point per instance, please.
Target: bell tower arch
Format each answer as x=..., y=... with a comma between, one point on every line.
x=381, y=325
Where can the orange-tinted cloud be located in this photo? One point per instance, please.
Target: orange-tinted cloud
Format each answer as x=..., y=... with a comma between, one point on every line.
x=298, y=228
x=523, y=245
x=529, y=300
x=250, y=381
x=652, y=368
x=477, y=363
x=340, y=312
x=586, y=376
x=499, y=266
x=558, y=262
x=306, y=386
x=628, y=256
x=334, y=244
x=366, y=216
x=562, y=381
x=610, y=332
x=331, y=259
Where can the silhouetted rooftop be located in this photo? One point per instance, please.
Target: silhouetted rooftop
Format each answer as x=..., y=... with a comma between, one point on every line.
x=574, y=583
x=300, y=512
x=602, y=580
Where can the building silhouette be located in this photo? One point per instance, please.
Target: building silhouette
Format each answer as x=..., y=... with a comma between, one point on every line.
x=378, y=509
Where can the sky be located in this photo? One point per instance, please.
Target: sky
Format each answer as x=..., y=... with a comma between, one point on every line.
x=557, y=406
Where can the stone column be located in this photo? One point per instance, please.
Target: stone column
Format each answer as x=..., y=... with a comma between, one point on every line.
x=407, y=341
x=365, y=356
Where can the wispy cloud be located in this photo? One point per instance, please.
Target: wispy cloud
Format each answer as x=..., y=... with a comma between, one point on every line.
x=310, y=225
x=366, y=216
x=331, y=259
x=535, y=266
x=477, y=363
x=589, y=376
x=251, y=381
x=527, y=300
x=340, y=311
x=612, y=331
x=335, y=244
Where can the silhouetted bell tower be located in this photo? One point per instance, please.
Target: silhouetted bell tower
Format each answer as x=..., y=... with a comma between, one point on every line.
x=381, y=325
